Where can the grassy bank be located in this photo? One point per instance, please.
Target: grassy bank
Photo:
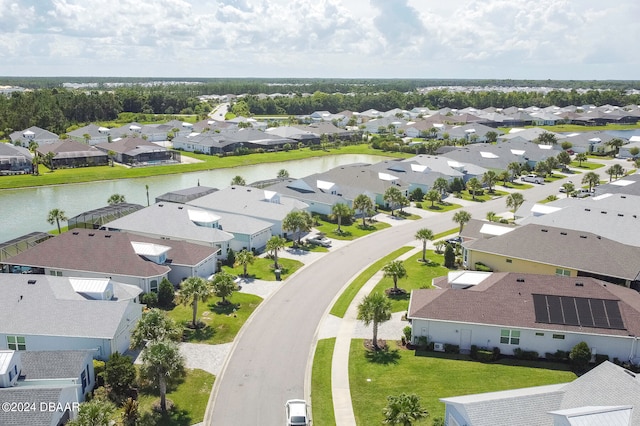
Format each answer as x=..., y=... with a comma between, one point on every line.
x=321, y=395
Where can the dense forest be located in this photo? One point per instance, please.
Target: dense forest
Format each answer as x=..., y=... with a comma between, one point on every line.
x=49, y=106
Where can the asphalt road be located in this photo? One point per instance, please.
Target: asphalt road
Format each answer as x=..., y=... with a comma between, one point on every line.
x=269, y=361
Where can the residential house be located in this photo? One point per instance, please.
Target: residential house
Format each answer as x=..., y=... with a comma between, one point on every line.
x=298, y=134
x=606, y=395
x=532, y=312
x=333, y=133
x=185, y=195
x=384, y=125
x=139, y=152
x=15, y=159
x=33, y=134
x=69, y=153
x=588, y=142
x=210, y=143
x=53, y=383
x=556, y=251
x=451, y=169
x=195, y=225
x=471, y=133
x=266, y=205
x=124, y=257
x=91, y=134
x=50, y=313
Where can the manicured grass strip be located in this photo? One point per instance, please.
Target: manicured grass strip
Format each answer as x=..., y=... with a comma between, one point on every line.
x=209, y=162
x=419, y=275
x=435, y=376
x=439, y=207
x=343, y=302
x=445, y=234
x=349, y=232
x=586, y=165
x=262, y=268
x=222, y=323
x=190, y=400
x=321, y=396
x=486, y=195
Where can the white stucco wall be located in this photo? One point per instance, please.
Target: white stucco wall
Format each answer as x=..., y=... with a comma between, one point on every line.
x=621, y=347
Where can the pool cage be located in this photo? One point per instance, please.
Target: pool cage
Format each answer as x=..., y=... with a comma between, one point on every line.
x=94, y=219
x=20, y=244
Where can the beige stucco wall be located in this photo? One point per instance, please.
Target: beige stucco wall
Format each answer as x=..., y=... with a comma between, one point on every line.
x=499, y=264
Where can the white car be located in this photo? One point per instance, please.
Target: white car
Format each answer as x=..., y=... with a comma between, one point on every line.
x=296, y=412
x=319, y=240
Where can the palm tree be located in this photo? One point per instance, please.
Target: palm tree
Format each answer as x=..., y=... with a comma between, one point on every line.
x=33, y=148
x=245, y=258
x=274, y=245
x=223, y=286
x=154, y=325
x=424, y=235
x=146, y=187
x=403, y=409
x=97, y=412
x=504, y=176
x=374, y=309
x=162, y=361
x=461, y=218
x=433, y=196
x=615, y=143
x=439, y=245
x=490, y=178
x=514, y=201
x=363, y=203
x=116, y=199
x=492, y=217
x=441, y=185
x=238, y=180
x=615, y=171
x=568, y=188
x=283, y=174
x=340, y=210
x=580, y=157
x=564, y=158
x=297, y=222
x=515, y=169
x=393, y=196
x=474, y=185
x=192, y=290
x=395, y=270
x=55, y=216
x=591, y=179
x=547, y=138
x=112, y=155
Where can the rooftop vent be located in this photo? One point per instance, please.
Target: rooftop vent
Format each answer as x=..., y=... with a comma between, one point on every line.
x=92, y=234
x=160, y=205
x=587, y=210
x=31, y=282
x=520, y=280
x=623, y=196
x=75, y=233
x=180, y=208
x=563, y=233
x=544, y=230
x=620, y=215
x=583, y=236
x=603, y=212
x=579, y=285
x=107, y=236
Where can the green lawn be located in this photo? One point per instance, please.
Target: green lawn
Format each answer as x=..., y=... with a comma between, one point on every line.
x=553, y=178
x=445, y=233
x=306, y=247
x=570, y=128
x=262, y=268
x=209, y=162
x=486, y=195
x=222, y=323
x=349, y=232
x=515, y=185
x=343, y=302
x=586, y=165
x=321, y=396
x=435, y=376
x=419, y=275
x=439, y=207
x=399, y=213
x=190, y=399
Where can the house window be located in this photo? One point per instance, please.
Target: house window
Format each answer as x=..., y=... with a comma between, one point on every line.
x=153, y=286
x=539, y=334
x=16, y=343
x=563, y=272
x=55, y=273
x=83, y=377
x=558, y=336
x=510, y=337
x=509, y=261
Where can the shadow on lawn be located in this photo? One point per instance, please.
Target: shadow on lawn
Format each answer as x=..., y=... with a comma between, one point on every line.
x=383, y=356
x=504, y=360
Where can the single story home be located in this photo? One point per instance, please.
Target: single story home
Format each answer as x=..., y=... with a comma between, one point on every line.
x=70, y=153
x=137, y=151
x=542, y=313
x=15, y=159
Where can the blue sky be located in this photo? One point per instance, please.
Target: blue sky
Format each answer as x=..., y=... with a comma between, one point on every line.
x=517, y=39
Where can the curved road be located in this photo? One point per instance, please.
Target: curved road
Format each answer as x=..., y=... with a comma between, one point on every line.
x=268, y=363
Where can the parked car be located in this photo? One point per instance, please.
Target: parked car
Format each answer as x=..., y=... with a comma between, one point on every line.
x=453, y=241
x=533, y=179
x=582, y=193
x=319, y=240
x=296, y=412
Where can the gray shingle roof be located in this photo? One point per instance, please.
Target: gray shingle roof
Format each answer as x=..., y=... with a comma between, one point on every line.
x=38, y=365
x=31, y=418
x=35, y=309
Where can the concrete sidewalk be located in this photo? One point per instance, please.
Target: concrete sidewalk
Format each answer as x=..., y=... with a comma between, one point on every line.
x=342, y=406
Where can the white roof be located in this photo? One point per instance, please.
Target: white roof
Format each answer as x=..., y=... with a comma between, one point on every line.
x=28, y=132
x=491, y=229
x=622, y=182
x=102, y=129
x=602, y=196
x=467, y=278
x=596, y=415
x=386, y=176
x=149, y=249
x=518, y=151
x=202, y=216
x=544, y=209
x=270, y=195
x=134, y=127
x=485, y=154
x=418, y=168
x=89, y=285
x=514, y=393
x=5, y=360
x=454, y=164
x=545, y=146
x=323, y=184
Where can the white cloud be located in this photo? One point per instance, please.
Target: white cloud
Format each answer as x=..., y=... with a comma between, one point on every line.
x=321, y=38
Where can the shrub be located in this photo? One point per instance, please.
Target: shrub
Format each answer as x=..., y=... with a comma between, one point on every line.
x=150, y=299
x=451, y=349
x=98, y=369
x=231, y=257
x=484, y=355
x=525, y=355
x=580, y=356
x=166, y=294
x=418, y=205
x=449, y=257
x=600, y=358
x=474, y=351
x=422, y=342
x=407, y=333
x=558, y=356
x=479, y=266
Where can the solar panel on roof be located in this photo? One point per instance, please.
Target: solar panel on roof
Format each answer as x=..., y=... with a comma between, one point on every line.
x=577, y=311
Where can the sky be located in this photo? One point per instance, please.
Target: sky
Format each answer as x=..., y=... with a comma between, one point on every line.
x=501, y=39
